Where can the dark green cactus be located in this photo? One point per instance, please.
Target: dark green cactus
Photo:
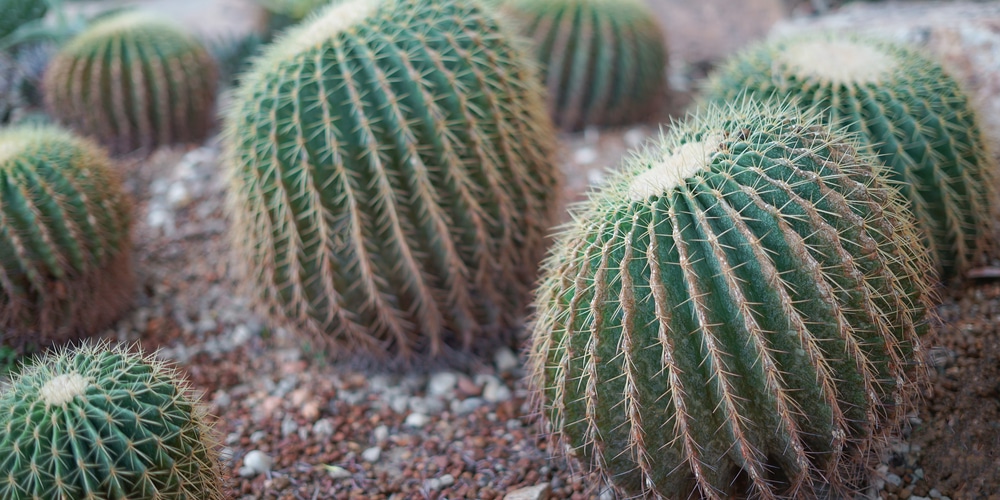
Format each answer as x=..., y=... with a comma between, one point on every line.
x=65, y=263
x=907, y=110
x=133, y=82
x=14, y=13
x=100, y=422
x=603, y=61
x=738, y=312
x=393, y=178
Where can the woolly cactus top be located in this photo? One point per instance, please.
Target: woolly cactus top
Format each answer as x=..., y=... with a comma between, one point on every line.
x=840, y=60
x=167, y=37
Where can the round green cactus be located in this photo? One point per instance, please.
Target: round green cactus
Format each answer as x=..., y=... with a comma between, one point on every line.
x=100, y=422
x=738, y=312
x=393, y=178
x=906, y=109
x=18, y=12
x=65, y=267
x=603, y=61
x=133, y=82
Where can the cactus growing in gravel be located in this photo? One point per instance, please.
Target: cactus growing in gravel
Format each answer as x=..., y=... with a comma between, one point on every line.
x=604, y=61
x=133, y=82
x=392, y=179
x=100, y=422
x=64, y=237
x=738, y=312
x=18, y=12
x=907, y=110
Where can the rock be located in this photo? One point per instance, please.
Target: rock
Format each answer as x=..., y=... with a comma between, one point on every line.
x=427, y=406
x=537, y=492
x=505, y=360
x=257, y=462
x=433, y=484
x=416, y=420
x=381, y=433
x=323, y=427
x=257, y=436
x=447, y=480
x=894, y=480
x=289, y=426
x=442, y=384
x=934, y=493
x=337, y=472
x=371, y=454
x=178, y=195
x=496, y=392
x=468, y=405
x=964, y=37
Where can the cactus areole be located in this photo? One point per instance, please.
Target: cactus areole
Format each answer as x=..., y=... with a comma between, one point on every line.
x=392, y=179
x=99, y=422
x=904, y=108
x=737, y=312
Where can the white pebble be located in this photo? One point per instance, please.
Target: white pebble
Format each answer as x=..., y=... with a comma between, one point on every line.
x=337, y=472
x=381, y=433
x=416, y=420
x=433, y=484
x=585, y=156
x=323, y=427
x=371, y=454
x=442, y=384
x=468, y=405
x=495, y=391
x=257, y=461
x=894, y=479
x=289, y=426
x=934, y=493
x=537, y=492
x=178, y=196
x=447, y=480
x=505, y=360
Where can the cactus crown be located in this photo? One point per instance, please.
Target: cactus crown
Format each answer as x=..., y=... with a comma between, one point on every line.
x=906, y=110
x=100, y=422
x=603, y=61
x=392, y=178
x=134, y=82
x=64, y=237
x=738, y=311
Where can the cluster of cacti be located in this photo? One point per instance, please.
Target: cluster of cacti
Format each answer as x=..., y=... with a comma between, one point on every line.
x=133, y=82
x=393, y=178
x=18, y=12
x=738, y=311
x=603, y=61
x=65, y=265
x=906, y=109
x=101, y=422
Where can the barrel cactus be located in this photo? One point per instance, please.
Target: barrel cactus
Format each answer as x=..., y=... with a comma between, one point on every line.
x=393, y=180
x=18, y=12
x=64, y=237
x=907, y=110
x=134, y=82
x=738, y=312
x=603, y=61
x=101, y=422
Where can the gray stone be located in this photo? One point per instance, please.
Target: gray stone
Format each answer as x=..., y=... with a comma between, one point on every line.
x=468, y=405
x=371, y=454
x=537, y=492
x=447, y=480
x=496, y=392
x=442, y=384
x=257, y=462
x=289, y=426
x=323, y=427
x=893, y=479
x=505, y=360
x=427, y=406
x=381, y=433
x=337, y=472
x=257, y=436
x=416, y=420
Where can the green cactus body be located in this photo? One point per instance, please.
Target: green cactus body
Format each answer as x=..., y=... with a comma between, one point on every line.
x=738, y=312
x=18, y=12
x=100, y=422
x=393, y=179
x=133, y=82
x=65, y=265
x=907, y=110
x=603, y=61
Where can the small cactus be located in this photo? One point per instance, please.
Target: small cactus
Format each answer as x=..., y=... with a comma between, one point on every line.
x=100, y=422
x=19, y=12
x=603, y=61
x=64, y=237
x=738, y=312
x=133, y=82
x=393, y=179
x=906, y=109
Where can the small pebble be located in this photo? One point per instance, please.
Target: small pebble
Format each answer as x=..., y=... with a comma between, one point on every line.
x=496, y=392
x=381, y=433
x=337, y=472
x=894, y=480
x=442, y=384
x=505, y=360
x=323, y=427
x=447, y=480
x=256, y=462
x=289, y=426
x=371, y=454
x=469, y=405
x=433, y=484
x=257, y=436
x=934, y=493
x=537, y=492
x=416, y=420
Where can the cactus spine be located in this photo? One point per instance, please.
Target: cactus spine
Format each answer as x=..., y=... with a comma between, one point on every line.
x=65, y=265
x=100, y=422
x=907, y=110
x=393, y=179
x=738, y=312
x=133, y=82
x=604, y=61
